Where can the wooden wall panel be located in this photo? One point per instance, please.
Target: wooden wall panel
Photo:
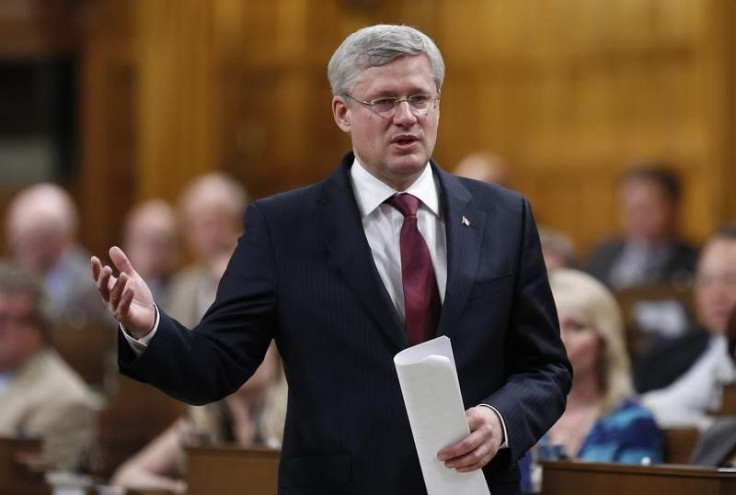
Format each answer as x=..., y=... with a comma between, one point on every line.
x=108, y=145
x=569, y=92
x=573, y=92
x=178, y=102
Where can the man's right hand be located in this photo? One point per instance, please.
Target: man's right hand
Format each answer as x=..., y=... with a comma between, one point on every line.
x=127, y=296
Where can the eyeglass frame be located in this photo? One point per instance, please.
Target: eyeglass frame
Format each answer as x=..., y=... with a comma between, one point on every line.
x=396, y=102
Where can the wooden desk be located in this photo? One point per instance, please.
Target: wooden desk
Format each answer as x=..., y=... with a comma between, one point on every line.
x=679, y=444
x=136, y=413
x=232, y=471
x=728, y=406
x=15, y=477
x=565, y=477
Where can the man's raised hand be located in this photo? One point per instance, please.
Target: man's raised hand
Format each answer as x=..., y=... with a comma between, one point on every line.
x=126, y=296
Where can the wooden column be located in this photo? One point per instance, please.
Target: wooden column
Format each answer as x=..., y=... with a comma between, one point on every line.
x=178, y=103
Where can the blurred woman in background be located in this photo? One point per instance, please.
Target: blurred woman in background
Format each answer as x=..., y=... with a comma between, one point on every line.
x=602, y=422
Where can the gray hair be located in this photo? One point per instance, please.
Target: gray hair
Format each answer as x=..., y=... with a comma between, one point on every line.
x=379, y=45
x=15, y=280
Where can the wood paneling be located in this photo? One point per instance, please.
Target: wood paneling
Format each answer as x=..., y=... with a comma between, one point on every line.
x=572, y=92
x=177, y=101
x=31, y=28
x=569, y=92
x=108, y=143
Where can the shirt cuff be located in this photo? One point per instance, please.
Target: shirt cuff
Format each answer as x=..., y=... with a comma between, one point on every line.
x=505, y=443
x=139, y=346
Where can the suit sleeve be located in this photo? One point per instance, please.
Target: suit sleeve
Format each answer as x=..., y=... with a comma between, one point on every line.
x=538, y=374
x=224, y=350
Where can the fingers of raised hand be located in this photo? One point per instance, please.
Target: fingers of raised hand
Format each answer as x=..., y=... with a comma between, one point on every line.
x=105, y=282
x=96, y=267
x=116, y=289
x=121, y=261
x=126, y=297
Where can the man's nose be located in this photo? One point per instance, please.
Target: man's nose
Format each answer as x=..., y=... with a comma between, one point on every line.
x=404, y=113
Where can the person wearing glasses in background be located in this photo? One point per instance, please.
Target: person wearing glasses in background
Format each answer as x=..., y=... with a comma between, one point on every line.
x=40, y=395
x=342, y=281
x=717, y=445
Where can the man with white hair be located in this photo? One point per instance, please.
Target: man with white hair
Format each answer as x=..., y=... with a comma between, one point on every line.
x=41, y=230
x=152, y=243
x=211, y=209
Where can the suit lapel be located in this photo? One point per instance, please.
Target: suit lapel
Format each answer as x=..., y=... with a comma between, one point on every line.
x=464, y=229
x=350, y=252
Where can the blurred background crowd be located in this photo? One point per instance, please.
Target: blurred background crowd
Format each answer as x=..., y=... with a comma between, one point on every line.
x=143, y=123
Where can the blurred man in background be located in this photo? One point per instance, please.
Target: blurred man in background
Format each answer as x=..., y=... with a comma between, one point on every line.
x=151, y=241
x=649, y=250
x=41, y=234
x=211, y=210
x=685, y=375
x=40, y=396
x=483, y=166
x=558, y=248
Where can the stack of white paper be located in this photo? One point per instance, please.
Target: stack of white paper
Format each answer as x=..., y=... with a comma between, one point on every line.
x=431, y=391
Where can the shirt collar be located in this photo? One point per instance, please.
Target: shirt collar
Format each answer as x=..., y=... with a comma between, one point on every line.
x=370, y=192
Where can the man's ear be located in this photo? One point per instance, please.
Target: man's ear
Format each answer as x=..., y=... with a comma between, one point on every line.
x=341, y=112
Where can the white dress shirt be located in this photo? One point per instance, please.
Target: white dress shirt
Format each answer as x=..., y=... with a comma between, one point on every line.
x=690, y=399
x=382, y=225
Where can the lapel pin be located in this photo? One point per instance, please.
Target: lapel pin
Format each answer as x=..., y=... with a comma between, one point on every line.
x=465, y=221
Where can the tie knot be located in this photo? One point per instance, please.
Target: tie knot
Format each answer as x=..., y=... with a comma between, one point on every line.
x=405, y=203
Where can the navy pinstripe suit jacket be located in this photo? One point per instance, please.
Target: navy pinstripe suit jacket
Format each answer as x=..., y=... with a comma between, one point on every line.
x=303, y=274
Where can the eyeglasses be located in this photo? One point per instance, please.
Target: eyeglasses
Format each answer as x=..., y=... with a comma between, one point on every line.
x=386, y=107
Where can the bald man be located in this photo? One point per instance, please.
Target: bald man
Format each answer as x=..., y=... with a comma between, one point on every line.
x=151, y=242
x=211, y=209
x=41, y=230
x=483, y=166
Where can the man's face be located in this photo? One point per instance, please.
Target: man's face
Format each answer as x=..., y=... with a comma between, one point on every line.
x=33, y=246
x=715, y=284
x=648, y=215
x=396, y=147
x=151, y=245
x=211, y=230
x=20, y=334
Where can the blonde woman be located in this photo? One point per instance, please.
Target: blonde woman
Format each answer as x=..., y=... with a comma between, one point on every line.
x=602, y=422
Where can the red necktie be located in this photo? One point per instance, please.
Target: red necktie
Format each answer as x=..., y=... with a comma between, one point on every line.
x=421, y=297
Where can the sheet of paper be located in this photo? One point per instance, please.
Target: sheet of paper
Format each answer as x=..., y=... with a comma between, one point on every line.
x=431, y=391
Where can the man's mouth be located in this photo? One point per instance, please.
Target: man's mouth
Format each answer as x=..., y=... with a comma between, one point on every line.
x=404, y=140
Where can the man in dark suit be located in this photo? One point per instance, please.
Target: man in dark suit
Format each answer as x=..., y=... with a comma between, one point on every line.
x=650, y=250
x=323, y=270
x=717, y=445
x=681, y=379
